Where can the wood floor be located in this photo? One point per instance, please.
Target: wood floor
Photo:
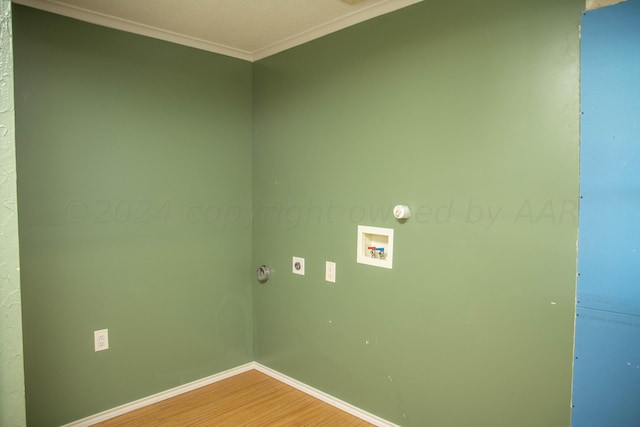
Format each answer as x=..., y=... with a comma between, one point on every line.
x=248, y=399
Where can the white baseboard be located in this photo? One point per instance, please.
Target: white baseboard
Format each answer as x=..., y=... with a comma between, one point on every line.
x=167, y=394
x=333, y=401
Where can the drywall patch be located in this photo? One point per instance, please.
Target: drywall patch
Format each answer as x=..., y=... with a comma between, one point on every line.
x=12, y=403
x=596, y=4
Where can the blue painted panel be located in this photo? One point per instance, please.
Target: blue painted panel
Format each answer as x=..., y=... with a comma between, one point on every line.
x=609, y=241
x=606, y=385
x=607, y=370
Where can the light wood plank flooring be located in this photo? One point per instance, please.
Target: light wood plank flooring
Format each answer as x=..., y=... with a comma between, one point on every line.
x=248, y=399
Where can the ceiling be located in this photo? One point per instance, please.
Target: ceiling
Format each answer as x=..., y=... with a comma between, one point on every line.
x=245, y=29
x=595, y=4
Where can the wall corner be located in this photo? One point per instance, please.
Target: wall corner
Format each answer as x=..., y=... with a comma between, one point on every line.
x=12, y=391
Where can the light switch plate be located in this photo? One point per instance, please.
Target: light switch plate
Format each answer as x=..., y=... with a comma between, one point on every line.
x=330, y=272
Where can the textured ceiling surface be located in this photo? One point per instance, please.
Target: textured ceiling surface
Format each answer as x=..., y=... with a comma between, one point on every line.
x=249, y=29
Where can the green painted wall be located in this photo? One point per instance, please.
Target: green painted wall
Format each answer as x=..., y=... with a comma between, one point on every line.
x=134, y=187
x=135, y=182
x=12, y=405
x=468, y=112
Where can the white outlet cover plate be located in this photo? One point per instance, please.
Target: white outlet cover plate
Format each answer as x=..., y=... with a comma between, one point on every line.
x=101, y=339
x=297, y=265
x=330, y=272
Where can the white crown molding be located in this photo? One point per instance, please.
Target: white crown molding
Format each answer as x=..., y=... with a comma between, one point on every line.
x=110, y=21
x=337, y=24
x=133, y=27
x=150, y=400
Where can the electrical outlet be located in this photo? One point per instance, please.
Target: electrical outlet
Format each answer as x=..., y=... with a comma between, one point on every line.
x=297, y=265
x=101, y=339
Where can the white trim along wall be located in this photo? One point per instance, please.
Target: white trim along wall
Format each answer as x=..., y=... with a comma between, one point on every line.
x=167, y=394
